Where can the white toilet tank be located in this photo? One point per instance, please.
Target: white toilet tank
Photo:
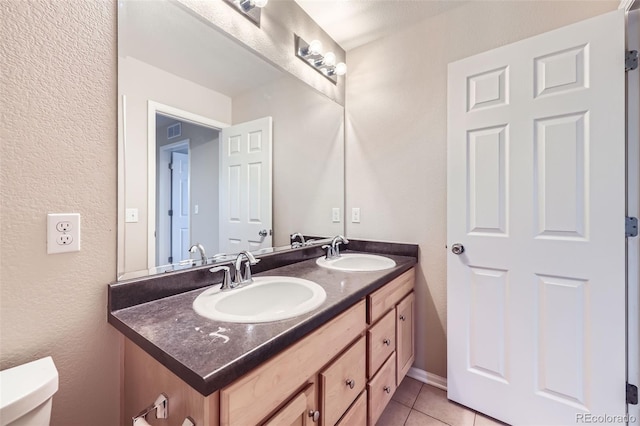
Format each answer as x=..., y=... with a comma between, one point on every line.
x=26, y=392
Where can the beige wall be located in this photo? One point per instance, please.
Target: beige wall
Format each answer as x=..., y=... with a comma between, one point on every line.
x=396, y=135
x=58, y=95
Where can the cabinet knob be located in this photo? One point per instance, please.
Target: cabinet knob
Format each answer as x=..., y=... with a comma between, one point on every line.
x=351, y=383
x=315, y=415
x=387, y=342
x=387, y=389
x=403, y=318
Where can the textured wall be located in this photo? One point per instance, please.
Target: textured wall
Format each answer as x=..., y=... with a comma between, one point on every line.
x=58, y=91
x=396, y=135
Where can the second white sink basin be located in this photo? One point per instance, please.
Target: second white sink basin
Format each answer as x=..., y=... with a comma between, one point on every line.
x=265, y=299
x=357, y=262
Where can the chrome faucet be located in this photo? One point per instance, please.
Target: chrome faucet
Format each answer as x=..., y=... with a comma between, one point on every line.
x=200, y=248
x=240, y=278
x=294, y=243
x=333, y=250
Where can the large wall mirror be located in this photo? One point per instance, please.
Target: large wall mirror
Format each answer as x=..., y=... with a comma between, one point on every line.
x=216, y=145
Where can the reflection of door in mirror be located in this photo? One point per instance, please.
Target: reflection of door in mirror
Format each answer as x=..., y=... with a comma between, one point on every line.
x=172, y=202
x=245, y=186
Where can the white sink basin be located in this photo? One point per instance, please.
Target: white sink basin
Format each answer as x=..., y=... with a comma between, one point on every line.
x=357, y=262
x=266, y=299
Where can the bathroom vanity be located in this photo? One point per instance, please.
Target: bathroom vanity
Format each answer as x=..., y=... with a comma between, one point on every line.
x=338, y=364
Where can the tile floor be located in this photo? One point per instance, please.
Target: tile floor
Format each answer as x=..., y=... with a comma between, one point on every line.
x=418, y=404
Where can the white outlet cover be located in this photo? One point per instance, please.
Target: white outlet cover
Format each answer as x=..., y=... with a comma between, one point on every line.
x=53, y=234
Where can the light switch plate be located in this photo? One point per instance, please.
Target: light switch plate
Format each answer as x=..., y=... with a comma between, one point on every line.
x=335, y=214
x=355, y=215
x=131, y=216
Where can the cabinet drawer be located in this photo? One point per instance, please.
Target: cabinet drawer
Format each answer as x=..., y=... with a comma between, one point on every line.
x=385, y=298
x=381, y=341
x=357, y=414
x=342, y=381
x=380, y=389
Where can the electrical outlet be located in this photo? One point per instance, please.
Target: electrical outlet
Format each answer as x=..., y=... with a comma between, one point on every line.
x=64, y=240
x=355, y=215
x=63, y=226
x=63, y=232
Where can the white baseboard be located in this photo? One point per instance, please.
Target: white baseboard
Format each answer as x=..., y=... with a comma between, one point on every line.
x=428, y=378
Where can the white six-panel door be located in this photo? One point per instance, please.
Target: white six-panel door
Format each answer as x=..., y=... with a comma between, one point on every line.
x=180, y=238
x=246, y=186
x=536, y=196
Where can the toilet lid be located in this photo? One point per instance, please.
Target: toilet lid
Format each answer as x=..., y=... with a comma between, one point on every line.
x=24, y=387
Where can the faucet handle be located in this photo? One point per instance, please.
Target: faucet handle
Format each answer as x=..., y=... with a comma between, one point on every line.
x=329, y=250
x=226, y=279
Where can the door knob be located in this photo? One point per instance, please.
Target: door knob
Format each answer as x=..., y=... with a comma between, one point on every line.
x=263, y=233
x=351, y=383
x=315, y=415
x=457, y=248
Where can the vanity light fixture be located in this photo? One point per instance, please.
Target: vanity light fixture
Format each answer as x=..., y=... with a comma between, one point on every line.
x=311, y=54
x=249, y=8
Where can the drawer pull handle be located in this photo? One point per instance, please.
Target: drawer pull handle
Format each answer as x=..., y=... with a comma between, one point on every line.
x=402, y=318
x=351, y=383
x=387, y=342
x=315, y=415
x=387, y=389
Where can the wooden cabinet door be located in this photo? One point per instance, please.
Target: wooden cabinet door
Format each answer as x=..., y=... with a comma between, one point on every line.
x=405, y=336
x=299, y=411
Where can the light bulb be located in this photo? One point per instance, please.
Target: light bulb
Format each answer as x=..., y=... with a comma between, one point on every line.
x=341, y=68
x=315, y=47
x=260, y=3
x=329, y=59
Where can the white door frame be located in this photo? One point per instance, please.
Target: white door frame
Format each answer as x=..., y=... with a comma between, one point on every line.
x=152, y=109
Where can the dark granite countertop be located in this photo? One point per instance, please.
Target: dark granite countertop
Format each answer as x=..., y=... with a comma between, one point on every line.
x=208, y=354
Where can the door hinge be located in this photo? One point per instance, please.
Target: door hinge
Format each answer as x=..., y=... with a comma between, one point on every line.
x=631, y=227
x=171, y=166
x=170, y=259
x=170, y=212
x=631, y=60
x=632, y=394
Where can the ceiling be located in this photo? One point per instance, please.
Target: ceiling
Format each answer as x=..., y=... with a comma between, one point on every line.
x=353, y=23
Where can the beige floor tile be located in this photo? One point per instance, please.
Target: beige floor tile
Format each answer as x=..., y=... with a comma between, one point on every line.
x=482, y=420
x=434, y=402
x=416, y=418
x=394, y=415
x=407, y=392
